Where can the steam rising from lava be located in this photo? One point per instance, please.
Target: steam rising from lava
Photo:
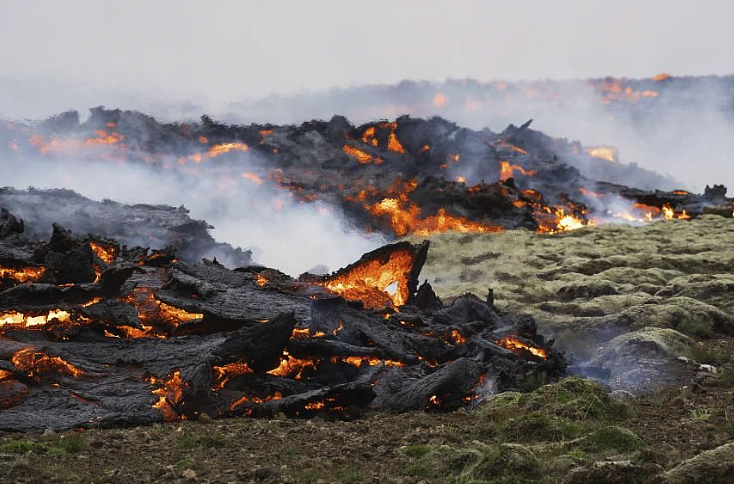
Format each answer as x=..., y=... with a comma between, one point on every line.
x=243, y=211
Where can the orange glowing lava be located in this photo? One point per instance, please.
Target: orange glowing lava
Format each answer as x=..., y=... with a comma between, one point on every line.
x=361, y=156
x=169, y=393
x=607, y=153
x=258, y=400
x=27, y=321
x=440, y=100
x=377, y=282
x=106, y=252
x=222, y=374
x=513, y=344
x=291, y=367
x=36, y=362
x=22, y=274
x=405, y=219
x=508, y=170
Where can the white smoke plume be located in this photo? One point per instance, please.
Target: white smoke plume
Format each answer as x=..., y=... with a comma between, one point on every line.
x=283, y=233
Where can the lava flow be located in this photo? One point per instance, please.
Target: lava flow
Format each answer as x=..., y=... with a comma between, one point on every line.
x=379, y=279
x=514, y=344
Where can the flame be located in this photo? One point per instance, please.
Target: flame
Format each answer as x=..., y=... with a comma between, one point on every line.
x=554, y=220
x=261, y=280
x=424, y=149
x=266, y=132
x=36, y=362
x=4, y=375
x=376, y=282
x=106, y=252
x=222, y=374
x=513, y=344
x=203, y=140
x=661, y=77
x=507, y=170
x=460, y=179
x=681, y=192
x=440, y=100
x=361, y=156
x=22, y=274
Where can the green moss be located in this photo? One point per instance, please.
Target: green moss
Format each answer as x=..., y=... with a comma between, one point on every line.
x=23, y=447
x=65, y=444
x=508, y=463
x=611, y=439
x=444, y=461
x=539, y=426
x=200, y=439
x=574, y=398
x=708, y=356
x=350, y=474
x=416, y=451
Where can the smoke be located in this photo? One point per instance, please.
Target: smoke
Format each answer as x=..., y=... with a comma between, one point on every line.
x=282, y=233
x=684, y=133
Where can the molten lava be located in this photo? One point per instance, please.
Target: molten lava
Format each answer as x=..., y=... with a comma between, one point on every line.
x=27, y=321
x=393, y=144
x=365, y=360
x=377, y=282
x=405, y=219
x=257, y=400
x=153, y=312
x=607, y=153
x=22, y=274
x=291, y=367
x=106, y=252
x=222, y=374
x=361, y=156
x=169, y=393
x=507, y=170
x=36, y=362
x=513, y=344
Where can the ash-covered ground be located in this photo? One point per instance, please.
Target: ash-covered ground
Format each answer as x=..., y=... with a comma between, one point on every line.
x=636, y=307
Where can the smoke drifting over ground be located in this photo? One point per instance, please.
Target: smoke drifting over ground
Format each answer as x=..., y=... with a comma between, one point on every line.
x=281, y=233
x=676, y=126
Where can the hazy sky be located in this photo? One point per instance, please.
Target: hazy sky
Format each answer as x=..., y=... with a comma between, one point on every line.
x=229, y=50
